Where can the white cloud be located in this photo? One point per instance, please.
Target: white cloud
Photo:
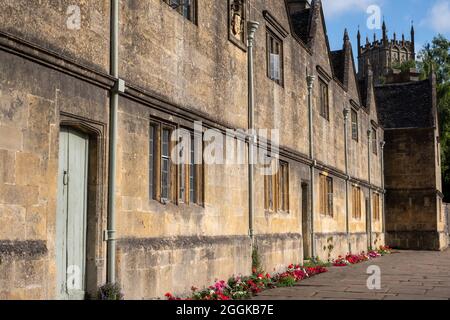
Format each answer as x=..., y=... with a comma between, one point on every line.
x=438, y=17
x=335, y=8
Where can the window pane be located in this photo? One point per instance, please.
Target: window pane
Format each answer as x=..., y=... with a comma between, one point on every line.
x=184, y=7
x=152, y=161
x=165, y=179
x=275, y=58
x=374, y=141
x=165, y=164
x=192, y=174
x=354, y=125
x=182, y=176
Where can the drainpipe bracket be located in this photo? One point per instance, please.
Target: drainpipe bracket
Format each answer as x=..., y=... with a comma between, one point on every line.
x=119, y=86
x=109, y=235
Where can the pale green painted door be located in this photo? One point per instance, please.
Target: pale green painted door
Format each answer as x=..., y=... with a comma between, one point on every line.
x=71, y=214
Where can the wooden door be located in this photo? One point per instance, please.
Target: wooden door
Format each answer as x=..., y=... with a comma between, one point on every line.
x=306, y=223
x=71, y=214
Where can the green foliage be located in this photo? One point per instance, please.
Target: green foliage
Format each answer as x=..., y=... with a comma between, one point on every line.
x=316, y=262
x=329, y=247
x=110, y=292
x=405, y=66
x=288, y=281
x=256, y=261
x=436, y=57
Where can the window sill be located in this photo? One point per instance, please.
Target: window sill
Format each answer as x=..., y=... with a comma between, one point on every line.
x=271, y=212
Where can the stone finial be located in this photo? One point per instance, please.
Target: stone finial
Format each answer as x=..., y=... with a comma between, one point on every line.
x=346, y=37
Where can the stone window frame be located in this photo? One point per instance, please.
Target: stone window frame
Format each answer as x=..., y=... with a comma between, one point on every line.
x=324, y=99
x=376, y=205
x=191, y=16
x=326, y=195
x=356, y=202
x=354, y=124
x=276, y=187
x=374, y=141
x=155, y=174
x=272, y=37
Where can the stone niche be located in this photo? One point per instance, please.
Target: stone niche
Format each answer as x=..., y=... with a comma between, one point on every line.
x=237, y=21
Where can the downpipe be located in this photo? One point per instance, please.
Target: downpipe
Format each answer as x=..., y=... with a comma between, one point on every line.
x=252, y=27
x=369, y=207
x=347, y=224
x=110, y=234
x=310, y=82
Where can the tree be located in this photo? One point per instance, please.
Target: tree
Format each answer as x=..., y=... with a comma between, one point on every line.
x=436, y=57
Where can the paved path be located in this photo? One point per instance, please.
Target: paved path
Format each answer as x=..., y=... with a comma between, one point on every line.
x=418, y=275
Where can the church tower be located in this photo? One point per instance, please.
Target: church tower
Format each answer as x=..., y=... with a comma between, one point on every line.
x=384, y=54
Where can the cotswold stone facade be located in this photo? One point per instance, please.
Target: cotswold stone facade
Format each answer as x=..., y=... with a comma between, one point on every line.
x=176, y=226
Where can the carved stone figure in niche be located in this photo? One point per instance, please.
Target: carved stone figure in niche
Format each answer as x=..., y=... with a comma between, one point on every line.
x=237, y=20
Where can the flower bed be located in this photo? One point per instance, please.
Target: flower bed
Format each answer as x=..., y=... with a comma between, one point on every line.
x=358, y=258
x=240, y=287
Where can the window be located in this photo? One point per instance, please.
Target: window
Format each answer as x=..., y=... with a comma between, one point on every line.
x=194, y=170
x=274, y=58
x=152, y=149
x=165, y=165
x=169, y=182
x=323, y=100
x=284, y=186
x=192, y=174
x=356, y=202
x=374, y=141
x=276, y=187
x=376, y=206
x=326, y=195
x=355, y=130
x=187, y=8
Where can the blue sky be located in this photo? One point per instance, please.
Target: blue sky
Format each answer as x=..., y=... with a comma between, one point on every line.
x=430, y=18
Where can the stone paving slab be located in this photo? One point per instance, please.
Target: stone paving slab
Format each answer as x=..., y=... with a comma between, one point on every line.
x=405, y=275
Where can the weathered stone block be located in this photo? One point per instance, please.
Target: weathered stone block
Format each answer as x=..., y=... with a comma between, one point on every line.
x=11, y=138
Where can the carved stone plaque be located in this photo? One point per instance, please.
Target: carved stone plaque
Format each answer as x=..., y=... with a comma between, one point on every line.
x=237, y=21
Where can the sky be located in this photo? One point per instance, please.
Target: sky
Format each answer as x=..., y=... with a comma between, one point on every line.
x=430, y=17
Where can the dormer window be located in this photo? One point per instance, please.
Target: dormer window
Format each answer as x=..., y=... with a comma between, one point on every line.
x=187, y=8
x=274, y=58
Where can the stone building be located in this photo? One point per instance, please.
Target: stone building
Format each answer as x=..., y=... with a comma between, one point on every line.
x=385, y=54
x=415, y=217
x=91, y=94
